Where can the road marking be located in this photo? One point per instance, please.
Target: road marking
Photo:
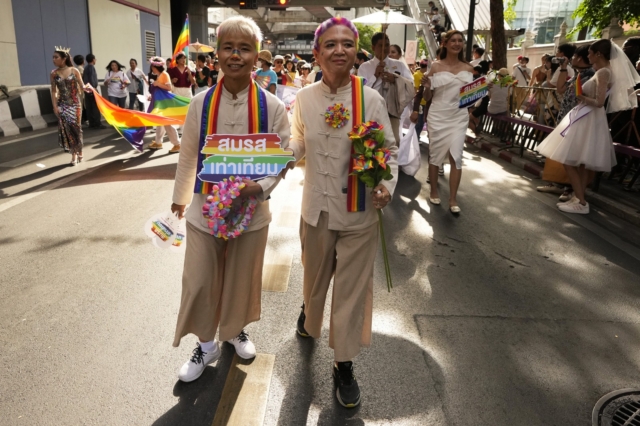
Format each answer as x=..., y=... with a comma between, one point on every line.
x=28, y=137
x=22, y=198
x=275, y=274
x=245, y=393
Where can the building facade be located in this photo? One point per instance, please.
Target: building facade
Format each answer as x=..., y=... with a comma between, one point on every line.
x=110, y=29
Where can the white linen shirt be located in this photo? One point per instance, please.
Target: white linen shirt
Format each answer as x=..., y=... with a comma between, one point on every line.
x=232, y=119
x=368, y=70
x=328, y=152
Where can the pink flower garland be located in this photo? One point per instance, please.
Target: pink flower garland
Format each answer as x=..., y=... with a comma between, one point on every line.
x=224, y=219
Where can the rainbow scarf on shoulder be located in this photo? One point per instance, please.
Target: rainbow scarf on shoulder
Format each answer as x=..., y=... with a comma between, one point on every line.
x=356, y=189
x=258, y=122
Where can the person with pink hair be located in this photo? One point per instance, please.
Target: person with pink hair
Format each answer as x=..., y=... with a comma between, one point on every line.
x=337, y=241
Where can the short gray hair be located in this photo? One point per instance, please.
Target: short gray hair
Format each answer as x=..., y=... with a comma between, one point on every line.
x=243, y=25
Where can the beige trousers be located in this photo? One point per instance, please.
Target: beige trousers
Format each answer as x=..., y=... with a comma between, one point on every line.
x=349, y=255
x=171, y=131
x=395, y=126
x=221, y=284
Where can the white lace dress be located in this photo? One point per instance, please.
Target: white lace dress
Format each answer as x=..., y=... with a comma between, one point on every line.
x=447, y=124
x=586, y=139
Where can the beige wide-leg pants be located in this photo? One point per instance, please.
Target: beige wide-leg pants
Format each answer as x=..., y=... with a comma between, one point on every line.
x=349, y=255
x=395, y=126
x=221, y=284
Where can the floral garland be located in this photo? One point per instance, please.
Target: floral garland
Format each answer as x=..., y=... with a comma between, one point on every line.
x=224, y=219
x=337, y=116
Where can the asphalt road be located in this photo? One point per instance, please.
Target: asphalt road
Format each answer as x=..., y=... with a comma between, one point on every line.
x=512, y=313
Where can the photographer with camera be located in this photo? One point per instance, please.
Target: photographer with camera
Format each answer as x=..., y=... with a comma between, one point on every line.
x=563, y=55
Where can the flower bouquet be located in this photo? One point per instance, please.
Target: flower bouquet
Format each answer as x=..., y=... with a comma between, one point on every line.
x=369, y=162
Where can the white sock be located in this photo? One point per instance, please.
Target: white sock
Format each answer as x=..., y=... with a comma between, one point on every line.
x=208, y=346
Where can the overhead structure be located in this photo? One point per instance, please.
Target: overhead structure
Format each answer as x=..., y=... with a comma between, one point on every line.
x=458, y=11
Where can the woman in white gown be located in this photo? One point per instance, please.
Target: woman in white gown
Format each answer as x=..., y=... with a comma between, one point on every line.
x=446, y=123
x=582, y=141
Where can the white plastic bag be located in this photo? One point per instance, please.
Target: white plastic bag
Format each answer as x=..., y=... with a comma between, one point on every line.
x=166, y=231
x=409, y=153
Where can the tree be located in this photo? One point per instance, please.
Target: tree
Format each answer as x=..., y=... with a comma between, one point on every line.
x=599, y=13
x=498, y=37
x=365, y=32
x=509, y=12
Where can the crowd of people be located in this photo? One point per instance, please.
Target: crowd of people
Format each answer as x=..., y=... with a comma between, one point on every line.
x=222, y=278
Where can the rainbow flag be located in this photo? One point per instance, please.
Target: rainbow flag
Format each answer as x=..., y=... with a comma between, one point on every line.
x=167, y=104
x=130, y=124
x=182, y=45
x=578, y=85
x=298, y=57
x=366, y=53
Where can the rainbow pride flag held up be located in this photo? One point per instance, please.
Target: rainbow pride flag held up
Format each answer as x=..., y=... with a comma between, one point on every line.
x=298, y=57
x=470, y=93
x=182, y=45
x=578, y=85
x=130, y=124
x=167, y=104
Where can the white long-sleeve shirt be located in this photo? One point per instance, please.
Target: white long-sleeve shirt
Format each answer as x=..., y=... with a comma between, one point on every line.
x=232, y=119
x=368, y=70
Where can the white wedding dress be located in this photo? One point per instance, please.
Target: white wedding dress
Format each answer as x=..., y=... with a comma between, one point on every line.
x=586, y=140
x=447, y=124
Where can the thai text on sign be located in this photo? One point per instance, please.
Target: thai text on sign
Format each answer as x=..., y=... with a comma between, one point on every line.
x=470, y=93
x=254, y=156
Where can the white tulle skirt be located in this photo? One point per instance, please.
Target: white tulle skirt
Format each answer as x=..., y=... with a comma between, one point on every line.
x=586, y=142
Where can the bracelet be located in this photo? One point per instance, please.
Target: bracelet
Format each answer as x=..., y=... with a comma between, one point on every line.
x=561, y=70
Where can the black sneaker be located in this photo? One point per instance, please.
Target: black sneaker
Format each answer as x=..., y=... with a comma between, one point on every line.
x=300, y=328
x=347, y=390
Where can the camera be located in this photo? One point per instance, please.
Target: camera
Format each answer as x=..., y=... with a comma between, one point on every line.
x=557, y=60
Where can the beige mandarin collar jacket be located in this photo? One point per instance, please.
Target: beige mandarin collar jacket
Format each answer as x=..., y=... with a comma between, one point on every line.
x=328, y=151
x=232, y=119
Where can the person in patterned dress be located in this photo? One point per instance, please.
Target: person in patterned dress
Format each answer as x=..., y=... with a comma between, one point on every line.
x=66, y=95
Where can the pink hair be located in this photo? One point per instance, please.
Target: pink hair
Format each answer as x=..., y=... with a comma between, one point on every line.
x=331, y=22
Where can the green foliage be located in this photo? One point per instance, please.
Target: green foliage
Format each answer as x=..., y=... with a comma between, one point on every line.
x=365, y=32
x=597, y=14
x=422, y=48
x=509, y=11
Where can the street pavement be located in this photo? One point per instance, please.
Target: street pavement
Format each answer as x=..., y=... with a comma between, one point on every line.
x=512, y=313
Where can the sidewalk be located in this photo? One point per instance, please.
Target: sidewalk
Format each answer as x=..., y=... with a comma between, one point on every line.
x=611, y=196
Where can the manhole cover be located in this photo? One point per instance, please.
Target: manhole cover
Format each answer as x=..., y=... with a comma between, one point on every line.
x=618, y=408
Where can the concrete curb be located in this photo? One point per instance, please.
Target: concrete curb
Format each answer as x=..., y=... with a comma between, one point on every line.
x=27, y=111
x=603, y=202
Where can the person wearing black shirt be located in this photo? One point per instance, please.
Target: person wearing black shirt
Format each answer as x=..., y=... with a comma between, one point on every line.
x=278, y=68
x=90, y=76
x=202, y=74
x=214, y=74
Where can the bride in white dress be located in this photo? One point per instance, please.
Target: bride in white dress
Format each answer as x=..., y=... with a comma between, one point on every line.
x=582, y=141
x=446, y=123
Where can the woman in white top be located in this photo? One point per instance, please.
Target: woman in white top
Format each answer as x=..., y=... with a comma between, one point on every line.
x=447, y=124
x=116, y=81
x=582, y=141
x=138, y=79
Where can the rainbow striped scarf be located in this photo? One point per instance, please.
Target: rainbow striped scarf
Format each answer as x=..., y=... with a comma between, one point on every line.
x=258, y=122
x=356, y=189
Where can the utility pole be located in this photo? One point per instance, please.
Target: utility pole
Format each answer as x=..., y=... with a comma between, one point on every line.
x=472, y=15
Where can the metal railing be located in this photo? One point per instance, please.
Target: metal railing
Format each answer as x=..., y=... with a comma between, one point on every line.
x=534, y=103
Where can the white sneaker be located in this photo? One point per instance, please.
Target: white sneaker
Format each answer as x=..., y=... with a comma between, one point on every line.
x=573, y=200
x=574, y=208
x=244, y=347
x=194, y=368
